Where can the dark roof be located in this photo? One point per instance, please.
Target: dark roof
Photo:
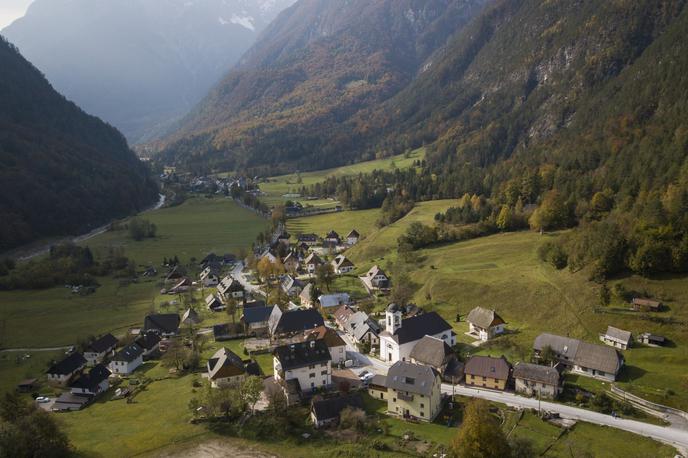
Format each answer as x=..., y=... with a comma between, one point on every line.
x=256, y=314
x=307, y=237
x=353, y=233
x=103, y=344
x=69, y=400
x=148, y=340
x=69, y=365
x=95, y=377
x=129, y=353
x=328, y=409
x=431, y=351
x=535, y=373
x=221, y=331
x=414, y=378
x=486, y=366
x=167, y=323
x=253, y=304
x=332, y=235
x=415, y=328
x=299, y=321
x=302, y=354
x=225, y=363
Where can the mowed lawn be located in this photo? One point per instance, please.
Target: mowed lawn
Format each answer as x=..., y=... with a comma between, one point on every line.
x=279, y=186
x=364, y=221
x=56, y=317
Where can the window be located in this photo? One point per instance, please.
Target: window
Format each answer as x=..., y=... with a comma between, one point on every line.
x=422, y=414
x=409, y=380
x=324, y=382
x=323, y=373
x=312, y=385
x=311, y=375
x=422, y=406
x=394, y=399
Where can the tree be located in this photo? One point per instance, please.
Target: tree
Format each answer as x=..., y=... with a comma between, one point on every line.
x=324, y=275
x=402, y=290
x=547, y=355
x=176, y=355
x=231, y=309
x=505, y=218
x=479, y=435
x=605, y=295
x=553, y=213
x=521, y=448
x=251, y=390
x=140, y=229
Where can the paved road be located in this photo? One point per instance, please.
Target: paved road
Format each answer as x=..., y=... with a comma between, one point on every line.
x=238, y=274
x=668, y=435
x=11, y=350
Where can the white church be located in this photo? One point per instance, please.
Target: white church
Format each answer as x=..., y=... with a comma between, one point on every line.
x=401, y=335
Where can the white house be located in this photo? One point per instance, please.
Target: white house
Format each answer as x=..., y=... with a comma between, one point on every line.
x=99, y=349
x=375, y=279
x=127, y=360
x=226, y=368
x=341, y=265
x=308, y=363
x=63, y=371
x=400, y=336
x=230, y=287
x=333, y=341
x=93, y=383
x=312, y=262
x=353, y=237
x=617, y=338
x=595, y=361
x=484, y=324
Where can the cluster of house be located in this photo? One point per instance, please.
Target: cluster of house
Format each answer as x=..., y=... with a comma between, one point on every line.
x=331, y=240
x=87, y=374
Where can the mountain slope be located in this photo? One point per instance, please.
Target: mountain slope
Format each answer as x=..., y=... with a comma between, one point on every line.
x=61, y=170
x=316, y=66
x=170, y=54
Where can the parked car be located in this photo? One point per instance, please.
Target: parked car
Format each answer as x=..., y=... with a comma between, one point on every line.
x=365, y=376
x=42, y=399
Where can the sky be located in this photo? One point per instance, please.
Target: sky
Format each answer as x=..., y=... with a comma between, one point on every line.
x=11, y=10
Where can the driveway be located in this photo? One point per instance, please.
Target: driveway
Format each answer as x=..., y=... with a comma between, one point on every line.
x=238, y=274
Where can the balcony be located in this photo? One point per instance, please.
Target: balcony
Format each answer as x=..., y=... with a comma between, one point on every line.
x=405, y=397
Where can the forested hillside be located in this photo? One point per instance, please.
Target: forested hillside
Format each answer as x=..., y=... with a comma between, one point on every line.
x=61, y=170
x=317, y=65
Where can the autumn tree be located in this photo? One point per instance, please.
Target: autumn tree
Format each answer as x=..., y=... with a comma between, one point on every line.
x=251, y=390
x=479, y=435
x=324, y=275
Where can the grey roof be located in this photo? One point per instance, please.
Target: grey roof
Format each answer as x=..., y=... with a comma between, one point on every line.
x=535, y=373
x=225, y=363
x=313, y=259
x=306, y=292
x=191, y=317
x=486, y=366
x=414, y=378
x=295, y=321
x=167, y=323
x=431, y=351
x=484, y=318
x=334, y=300
x=302, y=354
x=379, y=380
x=618, y=334
x=290, y=282
x=599, y=357
x=374, y=271
x=341, y=260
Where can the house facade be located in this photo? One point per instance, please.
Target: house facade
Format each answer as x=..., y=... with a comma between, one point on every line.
x=484, y=324
x=536, y=380
x=375, y=279
x=334, y=342
x=63, y=371
x=101, y=348
x=342, y=265
x=353, y=237
x=617, y=338
x=413, y=391
x=93, y=383
x=487, y=372
x=226, y=368
x=307, y=364
x=312, y=263
x=127, y=360
x=595, y=361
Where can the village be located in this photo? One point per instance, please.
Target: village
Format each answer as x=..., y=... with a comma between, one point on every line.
x=333, y=353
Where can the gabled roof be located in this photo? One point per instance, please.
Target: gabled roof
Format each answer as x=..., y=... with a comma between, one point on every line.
x=225, y=363
x=329, y=336
x=95, y=377
x=68, y=365
x=618, y=334
x=343, y=313
x=289, y=257
x=297, y=321
x=313, y=259
x=416, y=327
x=353, y=234
x=229, y=284
x=307, y=238
x=129, y=353
x=486, y=366
x=414, y=378
x=334, y=300
x=103, y=344
x=329, y=409
x=302, y=354
x=290, y=282
x=484, y=318
x=431, y=351
x=375, y=271
x=191, y=317
x=148, y=340
x=166, y=323
x=257, y=314
x=341, y=261
x=644, y=302
x=536, y=373
x=599, y=357
x=563, y=346
x=213, y=301
x=332, y=235
x=306, y=292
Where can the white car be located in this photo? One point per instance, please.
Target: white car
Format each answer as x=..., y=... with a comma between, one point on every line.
x=42, y=399
x=365, y=376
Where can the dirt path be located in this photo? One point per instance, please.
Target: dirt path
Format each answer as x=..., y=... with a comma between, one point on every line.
x=217, y=448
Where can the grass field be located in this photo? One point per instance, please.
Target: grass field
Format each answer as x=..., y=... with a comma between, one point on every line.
x=364, y=221
x=277, y=187
x=55, y=317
